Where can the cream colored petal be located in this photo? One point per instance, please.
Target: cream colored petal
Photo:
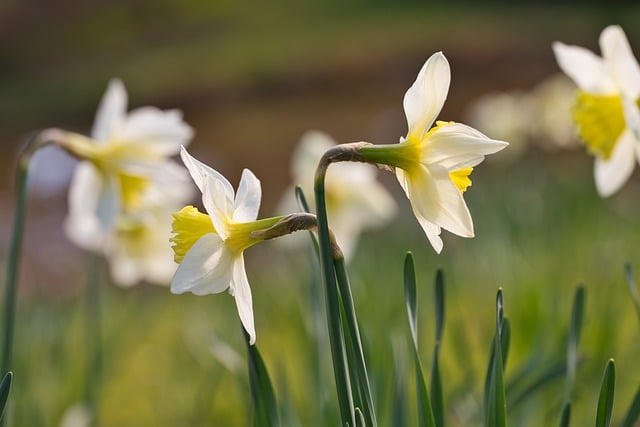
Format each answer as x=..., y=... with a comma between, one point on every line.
x=111, y=111
x=456, y=146
x=435, y=198
x=612, y=174
x=205, y=269
x=82, y=226
x=199, y=171
x=425, y=98
x=163, y=132
x=247, y=201
x=585, y=68
x=623, y=66
x=432, y=231
x=218, y=204
x=631, y=116
x=242, y=293
x=313, y=144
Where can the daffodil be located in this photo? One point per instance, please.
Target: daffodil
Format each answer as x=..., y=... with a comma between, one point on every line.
x=126, y=159
x=356, y=201
x=606, y=108
x=209, y=247
x=433, y=164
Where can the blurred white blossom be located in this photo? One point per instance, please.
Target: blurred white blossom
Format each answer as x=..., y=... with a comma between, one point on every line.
x=356, y=201
x=606, y=109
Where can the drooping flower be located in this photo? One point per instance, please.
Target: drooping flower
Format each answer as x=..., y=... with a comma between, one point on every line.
x=124, y=162
x=356, y=201
x=433, y=164
x=209, y=247
x=606, y=108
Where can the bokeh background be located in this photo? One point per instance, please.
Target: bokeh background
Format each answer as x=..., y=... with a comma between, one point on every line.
x=251, y=78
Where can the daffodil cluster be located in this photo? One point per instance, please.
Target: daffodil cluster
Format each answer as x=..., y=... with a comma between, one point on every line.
x=126, y=186
x=606, y=107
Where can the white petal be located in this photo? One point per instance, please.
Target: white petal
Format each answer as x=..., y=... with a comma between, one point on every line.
x=109, y=204
x=247, y=202
x=435, y=198
x=623, y=66
x=425, y=98
x=585, y=68
x=433, y=233
x=161, y=131
x=82, y=226
x=611, y=174
x=199, y=171
x=456, y=146
x=219, y=205
x=242, y=293
x=313, y=144
x=205, y=269
x=631, y=116
x=111, y=111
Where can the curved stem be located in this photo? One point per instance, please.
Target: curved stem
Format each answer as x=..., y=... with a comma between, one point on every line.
x=336, y=336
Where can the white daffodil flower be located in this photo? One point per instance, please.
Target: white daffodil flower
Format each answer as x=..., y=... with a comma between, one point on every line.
x=126, y=158
x=433, y=164
x=356, y=201
x=606, y=109
x=209, y=248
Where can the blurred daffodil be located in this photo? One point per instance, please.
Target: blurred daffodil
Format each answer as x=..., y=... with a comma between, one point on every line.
x=356, y=201
x=209, y=248
x=606, y=108
x=126, y=159
x=433, y=164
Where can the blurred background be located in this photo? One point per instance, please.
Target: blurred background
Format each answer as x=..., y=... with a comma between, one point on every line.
x=251, y=78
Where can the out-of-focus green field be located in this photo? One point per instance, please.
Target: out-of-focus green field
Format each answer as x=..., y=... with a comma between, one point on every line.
x=250, y=83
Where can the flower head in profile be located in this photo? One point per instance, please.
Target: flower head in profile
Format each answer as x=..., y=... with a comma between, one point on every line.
x=356, y=201
x=124, y=162
x=606, y=108
x=209, y=246
x=433, y=164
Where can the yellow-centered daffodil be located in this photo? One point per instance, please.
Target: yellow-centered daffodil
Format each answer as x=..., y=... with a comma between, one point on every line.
x=606, y=107
x=433, y=164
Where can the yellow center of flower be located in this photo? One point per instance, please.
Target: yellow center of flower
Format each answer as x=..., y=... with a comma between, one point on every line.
x=188, y=226
x=132, y=189
x=600, y=121
x=461, y=178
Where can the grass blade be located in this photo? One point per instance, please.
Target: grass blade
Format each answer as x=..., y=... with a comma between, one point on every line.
x=425, y=412
x=262, y=394
x=575, y=330
x=605, y=400
x=565, y=417
x=633, y=414
x=437, y=401
x=5, y=388
x=633, y=288
x=495, y=400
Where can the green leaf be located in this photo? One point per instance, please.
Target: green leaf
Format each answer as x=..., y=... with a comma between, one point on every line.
x=495, y=400
x=437, y=400
x=633, y=289
x=5, y=388
x=262, y=394
x=575, y=330
x=633, y=414
x=605, y=400
x=425, y=412
x=565, y=417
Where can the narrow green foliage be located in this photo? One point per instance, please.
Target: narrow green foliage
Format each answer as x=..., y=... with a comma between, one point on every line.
x=360, y=418
x=355, y=353
x=5, y=388
x=304, y=206
x=633, y=289
x=575, y=329
x=399, y=396
x=605, y=400
x=633, y=414
x=437, y=401
x=565, y=417
x=425, y=412
x=334, y=321
x=262, y=394
x=495, y=400
x=550, y=374
x=505, y=340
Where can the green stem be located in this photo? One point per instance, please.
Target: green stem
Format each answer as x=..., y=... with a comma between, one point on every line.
x=336, y=337
x=32, y=144
x=94, y=336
